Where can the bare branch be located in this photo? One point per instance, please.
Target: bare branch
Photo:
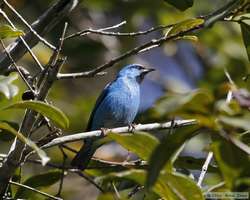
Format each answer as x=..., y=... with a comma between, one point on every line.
x=15, y=155
x=78, y=75
x=98, y=133
x=88, y=31
x=145, y=47
x=120, y=34
x=140, y=49
x=204, y=168
x=22, y=39
x=35, y=190
x=81, y=174
x=42, y=25
x=29, y=27
x=17, y=68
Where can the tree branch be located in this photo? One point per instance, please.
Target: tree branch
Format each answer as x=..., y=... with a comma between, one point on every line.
x=16, y=152
x=29, y=27
x=35, y=190
x=98, y=133
x=23, y=40
x=204, y=168
x=42, y=26
x=130, y=34
x=208, y=21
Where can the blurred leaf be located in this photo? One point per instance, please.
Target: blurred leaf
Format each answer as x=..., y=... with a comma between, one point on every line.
x=38, y=181
x=110, y=196
x=184, y=26
x=49, y=111
x=165, y=151
x=193, y=38
x=6, y=88
x=239, y=122
x=7, y=31
x=191, y=163
x=229, y=108
x=126, y=194
x=195, y=101
x=245, y=30
x=172, y=186
x=5, y=135
x=136, y=142
x=245, y=137
x=40, y=152
x=130, y=194
x=233, y=162
x=181, y=4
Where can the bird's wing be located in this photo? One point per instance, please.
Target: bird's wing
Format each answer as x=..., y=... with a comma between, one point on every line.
x=98, y=102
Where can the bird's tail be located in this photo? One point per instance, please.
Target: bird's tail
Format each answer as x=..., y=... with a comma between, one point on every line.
x=83, y=157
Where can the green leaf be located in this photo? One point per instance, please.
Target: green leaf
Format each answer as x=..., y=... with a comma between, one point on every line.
x=184, y=26
x=7, y=31
x=192, y=38
x=195, y=101
x=38, y=181
x=40, y=152
x=7, y=136
x=49, y=111
x=165, y=151
x=245, y=30
x=234, y=164
x=171, y=186
x=181, y=4
x=140, y=143
x=7, y=88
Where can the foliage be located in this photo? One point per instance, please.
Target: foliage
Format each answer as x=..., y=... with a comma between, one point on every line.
x=53, y=113
x=219, y=102
x=7, y=31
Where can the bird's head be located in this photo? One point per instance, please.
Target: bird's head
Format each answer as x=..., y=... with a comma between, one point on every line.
x=135, y=71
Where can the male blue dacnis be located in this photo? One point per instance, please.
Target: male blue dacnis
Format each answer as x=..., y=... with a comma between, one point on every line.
x=117, y=106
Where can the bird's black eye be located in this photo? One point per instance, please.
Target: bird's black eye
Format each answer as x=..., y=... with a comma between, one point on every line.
x=140, y=67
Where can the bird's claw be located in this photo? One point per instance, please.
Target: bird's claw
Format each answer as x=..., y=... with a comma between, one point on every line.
x=104, y=131
x=131, y=127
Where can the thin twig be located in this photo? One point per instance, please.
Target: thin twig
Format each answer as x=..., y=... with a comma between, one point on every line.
x=120, y=34
x=42, y=25
x=29, y=26
x=136, y=189
x=98, y=133
x=51, y=17
x=61, y=76
x=87, y=31
x=17, y=68
x=116, y=191
x=35, y=190
x=24, y=42
x=215, y=186
x=81, y=174
x=140, y=49
x=204, y=168
x=63, y=171
x=127, y=164
x=145, y=47
x=60, y=43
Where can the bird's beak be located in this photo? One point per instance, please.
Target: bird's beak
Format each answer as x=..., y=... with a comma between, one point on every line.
x=147, y=70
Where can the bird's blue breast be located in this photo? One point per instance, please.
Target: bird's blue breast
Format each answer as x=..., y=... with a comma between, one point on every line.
x=118, y=106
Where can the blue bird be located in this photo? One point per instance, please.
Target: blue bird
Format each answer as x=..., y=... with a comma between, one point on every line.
x=117, y=106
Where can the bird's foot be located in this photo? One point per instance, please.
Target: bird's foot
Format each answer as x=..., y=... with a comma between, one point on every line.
x=131, y=127
x=104, y=131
